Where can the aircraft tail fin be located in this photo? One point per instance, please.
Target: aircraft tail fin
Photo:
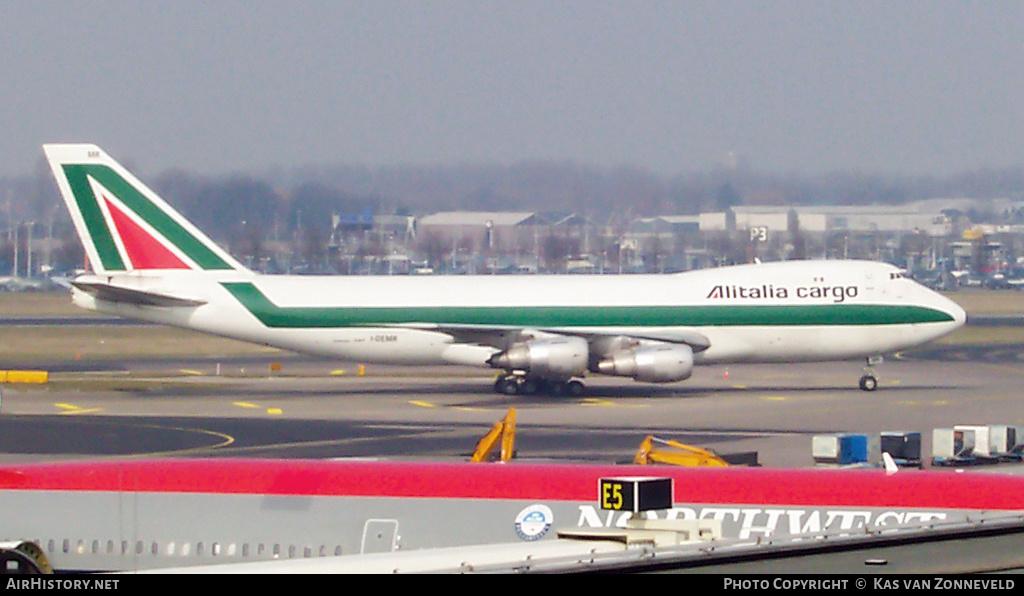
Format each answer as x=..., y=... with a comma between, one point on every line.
x=124, y=226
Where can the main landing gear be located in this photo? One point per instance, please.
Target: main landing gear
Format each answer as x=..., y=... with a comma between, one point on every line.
x=869, y=382
x=512, y=384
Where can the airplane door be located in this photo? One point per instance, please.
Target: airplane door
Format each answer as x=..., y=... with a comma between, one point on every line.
x=379, y=536
x=870, y=285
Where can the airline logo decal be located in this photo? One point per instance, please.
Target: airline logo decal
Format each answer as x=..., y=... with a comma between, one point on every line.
x=534, y=522
x=759, y=521
x=141, y=248
x=769, y=291
x=127, y=230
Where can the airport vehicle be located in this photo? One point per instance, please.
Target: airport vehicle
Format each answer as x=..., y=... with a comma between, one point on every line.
x=544, y=332
x=149, y=514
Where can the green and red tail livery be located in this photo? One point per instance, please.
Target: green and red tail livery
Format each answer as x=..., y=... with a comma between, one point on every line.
x=123, y=224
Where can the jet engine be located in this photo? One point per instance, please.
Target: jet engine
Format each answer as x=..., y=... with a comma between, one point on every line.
x=556, y=357
x=653, y=362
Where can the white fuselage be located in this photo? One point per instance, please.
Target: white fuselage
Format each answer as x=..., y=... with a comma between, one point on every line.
x=774, y=312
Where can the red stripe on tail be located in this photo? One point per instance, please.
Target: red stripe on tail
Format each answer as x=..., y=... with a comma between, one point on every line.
x=144, y=251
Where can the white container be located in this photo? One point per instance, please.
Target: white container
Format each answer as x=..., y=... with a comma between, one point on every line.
x=1005, y=440
x=952, y=443
x=842, y=449
x=981, y=442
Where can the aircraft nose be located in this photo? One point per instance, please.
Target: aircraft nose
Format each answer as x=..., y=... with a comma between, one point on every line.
x=959, y=315
x=957, y=312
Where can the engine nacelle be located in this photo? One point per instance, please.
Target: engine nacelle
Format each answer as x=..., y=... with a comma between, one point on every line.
x=556, y=357
x=652, y=363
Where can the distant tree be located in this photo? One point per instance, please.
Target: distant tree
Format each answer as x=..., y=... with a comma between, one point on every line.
x=727, y=198
x=796, y=236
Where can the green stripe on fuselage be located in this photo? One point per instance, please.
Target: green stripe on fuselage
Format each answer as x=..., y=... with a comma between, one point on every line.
x=78, y=178
x=275, y=316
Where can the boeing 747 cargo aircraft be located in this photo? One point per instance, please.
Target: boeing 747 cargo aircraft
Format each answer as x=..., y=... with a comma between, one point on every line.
x=543, y=332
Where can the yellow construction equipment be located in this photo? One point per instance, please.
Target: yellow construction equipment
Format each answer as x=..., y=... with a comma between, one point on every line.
x=678, y=454
x=505, y=432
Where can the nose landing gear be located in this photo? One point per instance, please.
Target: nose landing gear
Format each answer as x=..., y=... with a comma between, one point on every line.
x=869, y=382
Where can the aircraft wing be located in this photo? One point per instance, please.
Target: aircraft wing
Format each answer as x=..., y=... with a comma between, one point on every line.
x=500, y=336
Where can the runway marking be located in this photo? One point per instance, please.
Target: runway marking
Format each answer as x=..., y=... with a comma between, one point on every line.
x=340, y=442
x=227, y=440
x=245, y=404
x=594, y=402
x=189, y=371
x=71, y=409
x=774, y=398
x=422, y=404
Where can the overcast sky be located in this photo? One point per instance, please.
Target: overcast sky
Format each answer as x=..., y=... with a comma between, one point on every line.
x=216, y=86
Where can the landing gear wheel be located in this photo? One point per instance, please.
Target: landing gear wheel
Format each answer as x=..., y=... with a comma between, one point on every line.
x=575, y=388
x=506, y=386
x=869, y=382
x=528, y=386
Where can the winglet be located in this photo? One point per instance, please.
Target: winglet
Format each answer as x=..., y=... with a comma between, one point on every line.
x=123, y=225
x=890, y=464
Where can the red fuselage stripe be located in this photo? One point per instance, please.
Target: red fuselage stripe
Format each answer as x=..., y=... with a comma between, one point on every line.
x=847, y=488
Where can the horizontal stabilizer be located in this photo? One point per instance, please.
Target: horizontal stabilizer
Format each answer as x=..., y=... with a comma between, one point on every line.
x=110, y=293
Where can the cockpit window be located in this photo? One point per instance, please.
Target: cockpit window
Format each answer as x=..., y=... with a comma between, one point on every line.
x=896, y=275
